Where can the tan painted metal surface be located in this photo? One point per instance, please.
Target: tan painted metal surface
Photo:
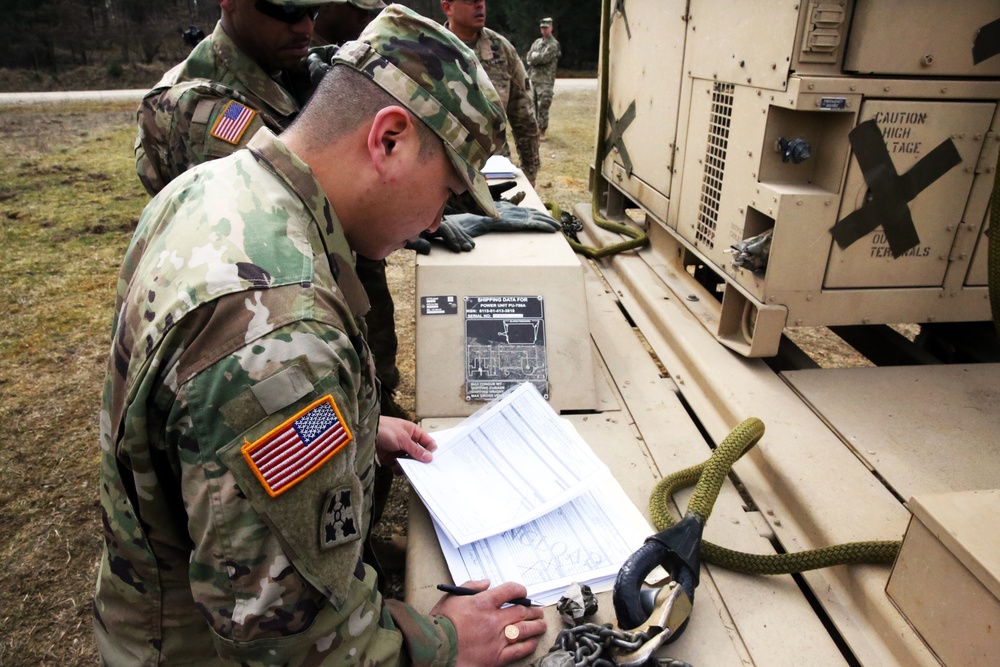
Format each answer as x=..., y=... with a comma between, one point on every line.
x=946, y=580
x=757, y=74
x=923, y=430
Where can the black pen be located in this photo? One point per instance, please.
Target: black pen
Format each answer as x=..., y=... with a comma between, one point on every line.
x=462, y=590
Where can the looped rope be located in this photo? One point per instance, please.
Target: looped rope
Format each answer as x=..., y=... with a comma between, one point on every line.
x=709, y=476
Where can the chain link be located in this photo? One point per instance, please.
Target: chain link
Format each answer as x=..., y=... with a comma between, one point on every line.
x=595, y=645
x=591, y=643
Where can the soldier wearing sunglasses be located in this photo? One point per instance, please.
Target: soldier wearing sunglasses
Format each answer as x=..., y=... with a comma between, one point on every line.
x=252, y=72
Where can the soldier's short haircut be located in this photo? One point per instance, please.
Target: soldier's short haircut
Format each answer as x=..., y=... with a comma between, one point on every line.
x=345, y=99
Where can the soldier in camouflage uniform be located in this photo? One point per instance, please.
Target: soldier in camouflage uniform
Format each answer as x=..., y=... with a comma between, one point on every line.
x=467, y=19
x=251, y=68
x=239, y=424
x=250, y=74
x=542, y=59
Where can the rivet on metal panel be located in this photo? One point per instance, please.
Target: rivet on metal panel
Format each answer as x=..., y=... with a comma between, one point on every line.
x=931, y=318
x=817, y=102
x=748, y=79
x=771, y=299
x=777, y=522
x=809, y=297
x=798, y=203
x=886, y=89
x=770, y=512
x=853, y=87
x=742, y=62
x=826, y=203
x=927, y=60
x=866, y=320
x=812, y=86
x=749, y=153
x=944, y=90
x=948, y=228
x=692, y=297
x=774, y=65
x=798, y=322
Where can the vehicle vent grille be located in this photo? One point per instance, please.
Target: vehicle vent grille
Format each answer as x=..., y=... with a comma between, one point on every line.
x=715, y=163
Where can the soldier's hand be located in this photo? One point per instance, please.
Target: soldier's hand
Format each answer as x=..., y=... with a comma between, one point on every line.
x=306, y=75
x=401, y=437
x=480, y=624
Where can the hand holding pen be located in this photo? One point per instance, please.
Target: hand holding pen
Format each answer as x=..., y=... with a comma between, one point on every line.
x=495, y=626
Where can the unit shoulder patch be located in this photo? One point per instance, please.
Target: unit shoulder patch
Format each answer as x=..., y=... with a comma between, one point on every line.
x=296, y=448
x=233, y=122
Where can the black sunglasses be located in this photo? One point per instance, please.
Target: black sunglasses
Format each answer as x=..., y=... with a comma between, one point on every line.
x=287, y=13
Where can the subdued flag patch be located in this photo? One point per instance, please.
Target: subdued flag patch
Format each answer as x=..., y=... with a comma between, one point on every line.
x=233, y=122
x=341, y=520
x=292, y=451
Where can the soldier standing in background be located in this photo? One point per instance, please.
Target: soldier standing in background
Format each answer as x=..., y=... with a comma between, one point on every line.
x=252, y=72
x=542, y=59
x=239, y=424
x=467, y=19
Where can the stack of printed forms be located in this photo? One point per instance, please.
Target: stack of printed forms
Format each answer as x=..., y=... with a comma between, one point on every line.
x=517, y=495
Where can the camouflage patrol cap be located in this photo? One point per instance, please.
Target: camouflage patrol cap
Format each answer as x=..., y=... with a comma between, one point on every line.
x=545, y=22
x=439, y=79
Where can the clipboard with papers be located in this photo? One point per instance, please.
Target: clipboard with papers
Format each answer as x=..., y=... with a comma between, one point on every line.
x=515, y=494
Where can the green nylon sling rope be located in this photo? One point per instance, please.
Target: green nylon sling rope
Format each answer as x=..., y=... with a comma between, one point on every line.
x=709, y=477
x=637, y=238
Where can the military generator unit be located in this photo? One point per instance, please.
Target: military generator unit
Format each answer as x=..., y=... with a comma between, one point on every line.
x=777, y=166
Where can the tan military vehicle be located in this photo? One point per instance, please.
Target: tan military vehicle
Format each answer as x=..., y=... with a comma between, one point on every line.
x=790, y=164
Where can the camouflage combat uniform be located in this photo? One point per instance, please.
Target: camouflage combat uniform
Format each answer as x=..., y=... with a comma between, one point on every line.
x=542, y=59
x=505, y=69
x=238, y=308
x=176, y=121
x=239, y=337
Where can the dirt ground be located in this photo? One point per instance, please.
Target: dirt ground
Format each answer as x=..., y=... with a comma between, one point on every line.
x=68, y=202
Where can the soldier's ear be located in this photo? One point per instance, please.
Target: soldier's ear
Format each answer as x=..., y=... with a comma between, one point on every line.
x=391, y=138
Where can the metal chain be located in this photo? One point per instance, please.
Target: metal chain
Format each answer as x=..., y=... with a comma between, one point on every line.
x=595, y=645
x=591, y=643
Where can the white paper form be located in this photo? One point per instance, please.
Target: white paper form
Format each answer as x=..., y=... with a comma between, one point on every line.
x=586, y=540
x=503, y=467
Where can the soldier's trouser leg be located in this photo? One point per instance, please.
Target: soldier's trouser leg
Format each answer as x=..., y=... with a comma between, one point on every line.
x=543, y=97
x=384, y=344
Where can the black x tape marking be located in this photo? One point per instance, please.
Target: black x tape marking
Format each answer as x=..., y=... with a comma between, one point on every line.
x=890, y=192
x=620, y=8
x=987, y=43
x=618, y=128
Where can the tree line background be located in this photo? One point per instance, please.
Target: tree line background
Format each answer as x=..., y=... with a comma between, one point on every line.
x=57, y=36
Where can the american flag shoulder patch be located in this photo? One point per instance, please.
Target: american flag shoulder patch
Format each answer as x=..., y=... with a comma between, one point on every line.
x=295, y=449
x=233, y=122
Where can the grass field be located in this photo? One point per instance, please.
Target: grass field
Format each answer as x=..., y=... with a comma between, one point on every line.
x=69, y=200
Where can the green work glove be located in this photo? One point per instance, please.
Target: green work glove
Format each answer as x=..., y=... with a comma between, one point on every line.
x=512, y=218
x=449, y=232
